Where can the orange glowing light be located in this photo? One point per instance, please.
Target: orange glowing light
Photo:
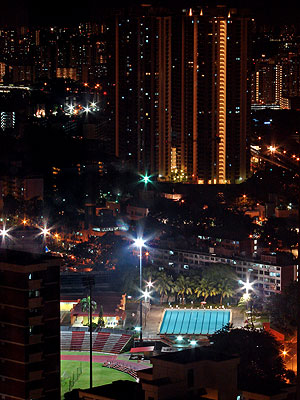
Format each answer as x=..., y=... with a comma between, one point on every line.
x=24, y=222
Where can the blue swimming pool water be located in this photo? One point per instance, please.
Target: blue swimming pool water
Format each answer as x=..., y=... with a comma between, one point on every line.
x=196, y=322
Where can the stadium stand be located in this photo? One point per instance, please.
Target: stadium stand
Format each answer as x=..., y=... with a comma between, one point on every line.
x=77, y=340
x=102, y=341
x=121, y=368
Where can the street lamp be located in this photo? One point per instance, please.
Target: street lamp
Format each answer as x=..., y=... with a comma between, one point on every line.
x=272, y=149
x=146, y=296
x=139, y=242
x=44, y=231
x=145, y=179
x=246, y=296
x=4, y=232
x=89, y=281
x=149, y=284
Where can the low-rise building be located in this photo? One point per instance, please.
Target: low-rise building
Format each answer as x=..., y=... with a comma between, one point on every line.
x=270, y=275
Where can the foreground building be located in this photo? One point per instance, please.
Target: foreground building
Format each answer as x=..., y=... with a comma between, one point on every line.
x=29, y=324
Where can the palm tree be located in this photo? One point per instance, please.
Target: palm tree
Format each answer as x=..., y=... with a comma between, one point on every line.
x=85, y=306
x=225, y=289
x=216, y=279
x=203, y=288
x=163, y=285
x=101, y=322
x=183, y=285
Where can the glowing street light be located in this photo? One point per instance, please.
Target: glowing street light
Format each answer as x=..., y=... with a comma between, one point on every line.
x=193, y=342
x=145, y=179
x=71, y=109
x=272, y=149
x=284, y=353
x=179, y=338
x=4, y=232
x=45, y=231
x=86, y=109
x=93, y=105
x=149, y=284
x=146, y=295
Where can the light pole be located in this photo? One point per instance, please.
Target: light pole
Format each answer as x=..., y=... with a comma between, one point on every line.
x=89, y=282
x=139, y=242
x=247, y=297
x=146, y=296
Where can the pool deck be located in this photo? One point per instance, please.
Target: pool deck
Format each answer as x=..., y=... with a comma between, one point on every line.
x=155, y=318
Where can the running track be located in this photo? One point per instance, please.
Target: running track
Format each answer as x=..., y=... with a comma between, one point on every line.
x=102, y=359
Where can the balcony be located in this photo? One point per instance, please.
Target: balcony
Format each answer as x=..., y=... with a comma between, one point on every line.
x=36, y=394
x=36, y=357
x=35, y=320
x=35, y=339
x=35, y=302
x=35, y=284
x=35, y=375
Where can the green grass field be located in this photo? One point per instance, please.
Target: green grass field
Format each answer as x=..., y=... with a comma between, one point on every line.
x=101, y=375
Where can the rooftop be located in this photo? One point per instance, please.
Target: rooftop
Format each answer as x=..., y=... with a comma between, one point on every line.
x=193, y=355
x=22, y=257
x=119, y=390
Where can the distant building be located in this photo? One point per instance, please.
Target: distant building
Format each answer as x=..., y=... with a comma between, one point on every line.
x=22, y=188
x=270, y=273
x=113, y=306
x=136, y=212
x=181, y=93
x=66, y=73
x=7, y=120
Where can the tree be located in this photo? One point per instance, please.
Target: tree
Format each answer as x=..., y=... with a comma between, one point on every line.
x=183, y=285
x=205, y=287
x=282, y=309
x=225, y=288
x=164, y=285
x=217, y=279
x=101, y=322
x=259, y=353
x=85, y=306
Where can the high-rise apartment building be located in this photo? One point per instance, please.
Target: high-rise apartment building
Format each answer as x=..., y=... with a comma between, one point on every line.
x=181, y=91
x=29, y=320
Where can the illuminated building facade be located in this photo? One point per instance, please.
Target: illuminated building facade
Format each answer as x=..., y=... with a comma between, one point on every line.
x=182, y=93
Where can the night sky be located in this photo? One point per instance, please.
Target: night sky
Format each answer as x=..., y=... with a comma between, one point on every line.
x=22, y=12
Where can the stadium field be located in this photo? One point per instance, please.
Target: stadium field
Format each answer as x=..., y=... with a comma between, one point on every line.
x=70, y=370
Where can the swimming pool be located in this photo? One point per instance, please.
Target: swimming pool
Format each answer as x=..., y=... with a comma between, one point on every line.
x=194, y=322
